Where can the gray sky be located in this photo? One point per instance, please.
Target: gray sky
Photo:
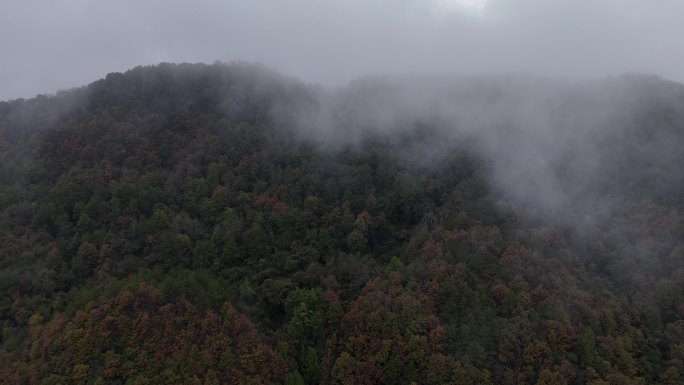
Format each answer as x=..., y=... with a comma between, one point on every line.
x=48, y=45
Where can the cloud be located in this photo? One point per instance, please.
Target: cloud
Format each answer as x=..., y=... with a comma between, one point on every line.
x=49, y=45
x=571, y=150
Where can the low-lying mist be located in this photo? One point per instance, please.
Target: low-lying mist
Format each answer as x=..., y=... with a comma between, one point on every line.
x=551, y=146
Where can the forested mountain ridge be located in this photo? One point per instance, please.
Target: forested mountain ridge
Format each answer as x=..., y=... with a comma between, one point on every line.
x=202, y=224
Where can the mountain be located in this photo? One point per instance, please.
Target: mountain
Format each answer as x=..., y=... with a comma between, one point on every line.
x=214, y=224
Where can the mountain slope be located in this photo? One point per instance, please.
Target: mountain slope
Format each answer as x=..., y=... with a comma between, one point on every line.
x=219, y=224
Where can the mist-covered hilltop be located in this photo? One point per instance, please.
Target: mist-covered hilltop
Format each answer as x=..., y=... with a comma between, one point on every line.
x=198, y=224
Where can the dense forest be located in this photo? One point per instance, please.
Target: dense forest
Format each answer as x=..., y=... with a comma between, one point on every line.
x=224, y=224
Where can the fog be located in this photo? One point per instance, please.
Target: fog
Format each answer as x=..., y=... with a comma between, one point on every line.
x=51, y=45
x=557, y=148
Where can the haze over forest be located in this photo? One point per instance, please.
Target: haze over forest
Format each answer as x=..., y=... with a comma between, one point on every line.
x=358, y=192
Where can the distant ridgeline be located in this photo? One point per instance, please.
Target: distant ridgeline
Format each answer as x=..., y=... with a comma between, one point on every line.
x=223, y=224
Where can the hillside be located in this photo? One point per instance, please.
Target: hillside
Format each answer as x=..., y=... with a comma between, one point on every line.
x=211, y=224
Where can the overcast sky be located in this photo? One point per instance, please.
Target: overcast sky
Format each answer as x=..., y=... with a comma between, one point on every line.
x=47, y=45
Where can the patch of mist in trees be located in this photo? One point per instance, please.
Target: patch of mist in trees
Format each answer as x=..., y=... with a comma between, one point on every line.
x=554, y=147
